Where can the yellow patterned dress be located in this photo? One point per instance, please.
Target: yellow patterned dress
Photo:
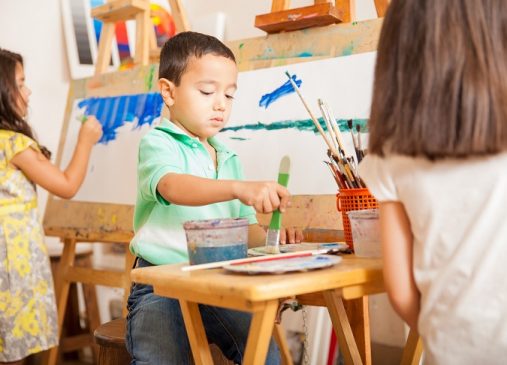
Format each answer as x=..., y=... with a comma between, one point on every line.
x=28, y=319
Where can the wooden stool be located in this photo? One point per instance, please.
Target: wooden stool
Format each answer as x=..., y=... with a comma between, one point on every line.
x=111, y=340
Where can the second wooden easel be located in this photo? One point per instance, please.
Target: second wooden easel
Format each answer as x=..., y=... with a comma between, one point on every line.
x=138, y=10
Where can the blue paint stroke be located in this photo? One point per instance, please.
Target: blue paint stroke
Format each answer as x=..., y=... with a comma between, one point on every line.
x=304, y=125
x=305, y=54
x=285, y=89
x=114, y=111
x=239, y=138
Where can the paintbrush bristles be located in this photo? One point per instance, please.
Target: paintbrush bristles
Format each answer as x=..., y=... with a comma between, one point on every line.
x=312, y=117
x=336, y=129
x=327, y=120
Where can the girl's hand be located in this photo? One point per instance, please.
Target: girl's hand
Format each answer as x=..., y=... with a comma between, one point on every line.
x=90, y=132
x=264, y=196
x=291, y=235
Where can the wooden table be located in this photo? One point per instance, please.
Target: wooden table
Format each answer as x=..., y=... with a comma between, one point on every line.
x=351, y=280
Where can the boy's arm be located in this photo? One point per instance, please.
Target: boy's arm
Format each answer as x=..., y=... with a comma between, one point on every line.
x=184, y=189
x=397, y=252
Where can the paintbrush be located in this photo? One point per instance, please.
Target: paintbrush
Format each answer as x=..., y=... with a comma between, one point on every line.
x=351, y=129
x=327, y=119
x=273, y=235
x=359, y=144
x=312, y=117
x=280, y=256
x=336, y=129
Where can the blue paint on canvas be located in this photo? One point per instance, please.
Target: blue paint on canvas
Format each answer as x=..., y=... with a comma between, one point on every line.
x=303, y=125
x=114, y=111
x=285, y=89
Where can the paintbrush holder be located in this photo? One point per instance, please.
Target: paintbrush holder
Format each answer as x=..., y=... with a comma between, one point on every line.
x=353, y=199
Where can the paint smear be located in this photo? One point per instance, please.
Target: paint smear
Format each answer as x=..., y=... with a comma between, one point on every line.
x=305, y=125
x=148, y=81
x=348, y=50
x=114, y=111
x=285, y=89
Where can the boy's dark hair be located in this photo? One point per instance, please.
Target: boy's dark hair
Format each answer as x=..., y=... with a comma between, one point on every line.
x=179, y=49
x=10, y=119
x=440, y=80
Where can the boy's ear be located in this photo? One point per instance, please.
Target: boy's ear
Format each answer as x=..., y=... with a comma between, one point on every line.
x=167, y=88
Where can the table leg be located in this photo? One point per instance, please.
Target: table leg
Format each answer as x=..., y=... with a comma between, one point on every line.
x=413, y=349
x=259, y=335
x=342, y=328
x=359, y=319
x=196, y=333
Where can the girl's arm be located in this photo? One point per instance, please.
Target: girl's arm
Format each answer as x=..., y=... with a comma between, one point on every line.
x=397, y=251
x=66, y=183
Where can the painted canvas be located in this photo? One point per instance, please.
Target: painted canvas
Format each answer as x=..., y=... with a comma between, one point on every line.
x=268, y=121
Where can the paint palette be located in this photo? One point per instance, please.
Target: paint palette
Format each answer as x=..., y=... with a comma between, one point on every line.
x=303, y=246
x=285, y=265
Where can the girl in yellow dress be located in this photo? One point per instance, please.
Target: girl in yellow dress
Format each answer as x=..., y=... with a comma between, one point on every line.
x=28, y=319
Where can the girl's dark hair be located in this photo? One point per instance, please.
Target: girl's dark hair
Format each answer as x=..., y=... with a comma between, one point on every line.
x=440, y=80
x=179, y=49
x=10, y=119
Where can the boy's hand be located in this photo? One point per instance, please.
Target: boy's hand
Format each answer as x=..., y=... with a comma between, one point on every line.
x=291, y=235
x=90, y=132
x=264, y=196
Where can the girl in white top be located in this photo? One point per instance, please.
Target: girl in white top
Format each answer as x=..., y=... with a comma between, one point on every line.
x=438, y=166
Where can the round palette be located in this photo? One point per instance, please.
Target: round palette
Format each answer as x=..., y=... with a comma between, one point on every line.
x=303, y=246
x=285, y=265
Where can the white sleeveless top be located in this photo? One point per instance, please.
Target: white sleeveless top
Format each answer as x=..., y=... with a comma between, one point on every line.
x=458, y=215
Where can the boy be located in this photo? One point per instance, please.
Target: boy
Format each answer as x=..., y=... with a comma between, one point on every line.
x=185, y=173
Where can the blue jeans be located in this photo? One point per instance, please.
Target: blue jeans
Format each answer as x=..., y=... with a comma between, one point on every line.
x=156, y=332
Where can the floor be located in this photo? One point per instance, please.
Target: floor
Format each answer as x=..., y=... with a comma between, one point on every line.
x=381, y=355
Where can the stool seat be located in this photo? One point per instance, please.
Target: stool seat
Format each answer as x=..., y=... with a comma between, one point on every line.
x=110, y=337
x=111, y=334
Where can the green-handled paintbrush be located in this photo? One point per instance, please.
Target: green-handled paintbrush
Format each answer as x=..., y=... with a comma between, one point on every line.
x=273, y=235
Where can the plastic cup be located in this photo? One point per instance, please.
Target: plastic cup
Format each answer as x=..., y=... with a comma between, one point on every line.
x=213, y=240
x=365, y=227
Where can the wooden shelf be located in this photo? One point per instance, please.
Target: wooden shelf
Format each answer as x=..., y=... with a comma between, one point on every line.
x=300, y=18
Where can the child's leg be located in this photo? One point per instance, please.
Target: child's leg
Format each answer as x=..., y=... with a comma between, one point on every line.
x=228, y=329
x=155, y=330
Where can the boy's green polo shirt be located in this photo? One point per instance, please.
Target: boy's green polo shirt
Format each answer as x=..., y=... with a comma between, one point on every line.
x=158, y=225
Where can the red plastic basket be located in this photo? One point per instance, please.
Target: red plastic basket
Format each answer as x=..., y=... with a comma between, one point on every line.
x=353, y=199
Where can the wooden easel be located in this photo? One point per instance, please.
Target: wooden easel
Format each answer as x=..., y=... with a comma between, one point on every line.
x=322, y=13
x=139, y=10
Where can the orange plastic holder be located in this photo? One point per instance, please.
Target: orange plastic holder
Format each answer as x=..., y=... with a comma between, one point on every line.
x=353, y=199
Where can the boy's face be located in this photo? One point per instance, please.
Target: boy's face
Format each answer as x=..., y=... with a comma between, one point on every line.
x=201, y=103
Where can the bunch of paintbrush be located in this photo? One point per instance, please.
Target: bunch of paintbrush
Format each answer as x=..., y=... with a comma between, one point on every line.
x=343, y=168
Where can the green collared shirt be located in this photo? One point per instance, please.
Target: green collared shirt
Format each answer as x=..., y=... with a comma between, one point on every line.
x=158, y=224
